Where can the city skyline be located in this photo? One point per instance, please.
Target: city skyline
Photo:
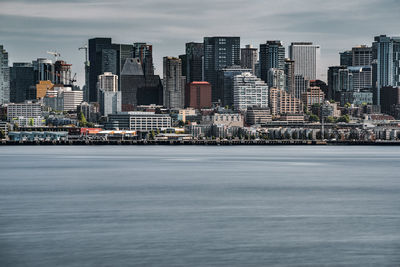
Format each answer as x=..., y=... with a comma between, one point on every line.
x=28, y=32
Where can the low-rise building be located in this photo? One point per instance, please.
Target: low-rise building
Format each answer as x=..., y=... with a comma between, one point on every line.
x=257, y=115
x=26, y=110
x=138, y=121
x=228, y=119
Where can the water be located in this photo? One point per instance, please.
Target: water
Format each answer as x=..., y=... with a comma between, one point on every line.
x=199, y=206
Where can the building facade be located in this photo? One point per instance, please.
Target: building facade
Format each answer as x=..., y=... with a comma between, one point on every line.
x=174, y=83
x=198, y=95
x=248, y=58
x=138, y=121
x=272, y=55
x=249, y=91
x=306, y=57
x=219, y=52
x=4, y=77
x=194, y=62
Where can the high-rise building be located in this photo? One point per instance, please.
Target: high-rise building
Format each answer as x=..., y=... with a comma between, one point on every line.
x=72, y=99
x=219, y=52
x=289, y=76
x=276, y=78
x=340, y=79
x=313, y=95
x=44, y=70
x=224, y=86
x=108, y=82
x=21, y=79
x=346, y=58
x=109, y=97
x=98, y=60
x=386, y=64
x=174, y=83
x=144, y=52
x=361, y=55
x=362, y=77
x=249, y=91
x=300, y=85
x=198, y=95
x=194, y=62
x=282, y=102
x=248, y=58
x=62, y=73
x=4, y=76
x=137, y=88
x=272, y=55
x=306, y=58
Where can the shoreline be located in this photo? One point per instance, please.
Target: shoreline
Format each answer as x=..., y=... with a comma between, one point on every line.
x=198, y=143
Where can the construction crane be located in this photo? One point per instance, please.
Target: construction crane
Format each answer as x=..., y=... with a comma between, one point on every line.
x=55, y=54
x=73, y=79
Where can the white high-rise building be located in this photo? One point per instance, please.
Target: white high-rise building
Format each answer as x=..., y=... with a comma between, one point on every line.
x=109, y=97
x=306, y=59
x=108, y=82
x=249, y=91
x=4, y=77
x=72, y=99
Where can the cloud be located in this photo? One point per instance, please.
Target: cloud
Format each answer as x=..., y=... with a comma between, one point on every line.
x=29, y=28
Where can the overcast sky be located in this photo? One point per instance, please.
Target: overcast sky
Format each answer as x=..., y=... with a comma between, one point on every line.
x=29, y=28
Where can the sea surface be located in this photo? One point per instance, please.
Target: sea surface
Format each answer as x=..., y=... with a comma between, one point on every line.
x=199, y=206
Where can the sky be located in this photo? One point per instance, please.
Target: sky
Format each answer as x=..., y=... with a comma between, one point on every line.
x=30, y=28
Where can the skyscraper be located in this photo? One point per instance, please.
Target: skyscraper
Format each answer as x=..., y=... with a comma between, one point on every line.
x=219, y=52
x=361, y=55
x=62, y=73
x=346, y=58
x=386, y=64
x=272, y=55
x=276, y=78
x=306, y=58
x=249, y=91
x=100, y=61
x=248, y=58
x=109, y=96
x=4, y=76
x=174, y=83
x=144, y=52
x=225, y=83
x=339, y=80
x=21, y=79
x=289, y=76
x=194, y=62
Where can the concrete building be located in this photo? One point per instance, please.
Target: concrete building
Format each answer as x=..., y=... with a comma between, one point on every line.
x=4, y=77
x=361, y=55
x=62, y=73
x=249, y=91
x=282, y=102
x=71, y=99
x=314, y=95
x=219, y=52
x=228, y=119
x=198, y=95
x=272, y=55
x=138, y=121
x=26, y=110
x=174, y=83
x=248, y=58
x=257, y=115
x=361, y=77
x=306, y=57
x=356, y=97
x=300, y=85
x=340, y=79
x=109, y=97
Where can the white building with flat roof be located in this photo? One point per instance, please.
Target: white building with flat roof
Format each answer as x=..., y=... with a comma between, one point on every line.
x=249, y=91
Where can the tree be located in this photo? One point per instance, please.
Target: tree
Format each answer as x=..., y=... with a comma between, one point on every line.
x=2, y=134
x=313, y=118
x=82, y=120
x=344, y=118
x=31, y=122
x=347, y=105
x=330, y=119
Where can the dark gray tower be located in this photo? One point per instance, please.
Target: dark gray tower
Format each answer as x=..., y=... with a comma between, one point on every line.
x=219, y=52
x=272, y=55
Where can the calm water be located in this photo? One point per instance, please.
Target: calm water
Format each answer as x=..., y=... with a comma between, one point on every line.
x=199, y=206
